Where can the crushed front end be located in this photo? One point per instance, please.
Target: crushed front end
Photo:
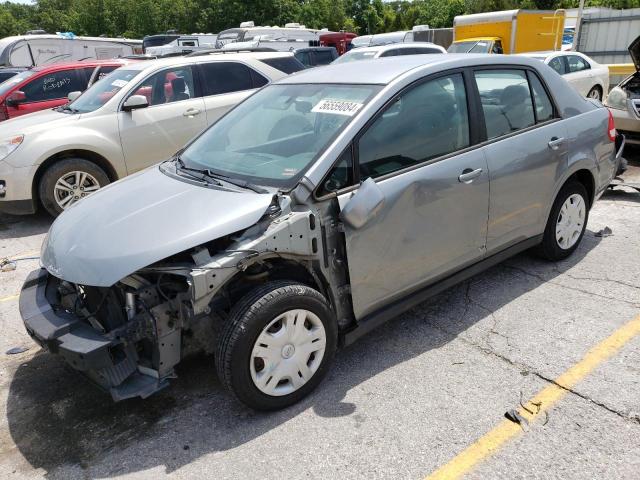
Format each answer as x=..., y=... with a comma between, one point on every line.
x=128, y=351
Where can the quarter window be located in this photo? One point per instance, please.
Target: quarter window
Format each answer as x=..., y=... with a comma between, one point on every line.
x=428, y=121
x=340, y=176
x=54, y=86
x=544, y=107
x=506, y=101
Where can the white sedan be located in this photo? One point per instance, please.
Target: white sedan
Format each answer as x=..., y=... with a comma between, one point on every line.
x=588, y=77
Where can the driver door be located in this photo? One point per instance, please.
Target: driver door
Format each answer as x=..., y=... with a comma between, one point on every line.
x=429, y=203
x=176, y=114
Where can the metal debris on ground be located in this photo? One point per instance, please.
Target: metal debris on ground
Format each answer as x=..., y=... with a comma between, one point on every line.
x=515, y=417
x=8, y=265
x=605, y=232
x=16, y=350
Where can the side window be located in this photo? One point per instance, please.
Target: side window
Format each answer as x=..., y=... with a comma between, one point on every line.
x=423, y=51
x=53, y=86
x=558, y=65
x=225, y=77
x=577, y=64
x=305, y=58
x=168, y=86
x=391, y=53
x=497, y=48
x=103, y=72
x=323, y=57
x=86, y=75
x=340, y=176
x=506, y=101
x=428, y=121
x=284, y=64
x=544, y=107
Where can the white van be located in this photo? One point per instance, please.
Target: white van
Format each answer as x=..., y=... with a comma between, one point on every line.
x=34, y=50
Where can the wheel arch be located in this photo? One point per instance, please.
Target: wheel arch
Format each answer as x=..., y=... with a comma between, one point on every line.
x=88, y=155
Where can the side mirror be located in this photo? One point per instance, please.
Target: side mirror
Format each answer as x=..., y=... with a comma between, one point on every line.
x=134, y=102
x=16, y=98
x=364, y=205
x=73, y=95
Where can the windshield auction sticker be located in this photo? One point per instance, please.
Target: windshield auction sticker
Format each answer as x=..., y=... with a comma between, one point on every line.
x=337, y=107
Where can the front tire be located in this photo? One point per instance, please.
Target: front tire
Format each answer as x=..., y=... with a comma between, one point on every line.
x=595, y=93
x=567, y=222
x=277, y=346
x=68, y=181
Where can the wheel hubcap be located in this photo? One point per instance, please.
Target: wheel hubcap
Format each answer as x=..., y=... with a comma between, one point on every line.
x=288, y=352
x=570, y=221
x=595, y=94
x=73, y=186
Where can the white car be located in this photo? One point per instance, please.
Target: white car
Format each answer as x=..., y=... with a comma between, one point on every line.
x=391, y=50
x=588, y=77
x=131, y=119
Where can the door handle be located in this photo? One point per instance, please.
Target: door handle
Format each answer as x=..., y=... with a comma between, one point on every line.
x=555, y=143
x=468, y=175
x=191, y=112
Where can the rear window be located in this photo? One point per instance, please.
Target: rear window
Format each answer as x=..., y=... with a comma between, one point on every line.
x=286, y=65
x=324, y=57
x=8, y=85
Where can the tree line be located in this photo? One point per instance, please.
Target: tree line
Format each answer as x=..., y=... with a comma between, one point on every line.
x=137, y=18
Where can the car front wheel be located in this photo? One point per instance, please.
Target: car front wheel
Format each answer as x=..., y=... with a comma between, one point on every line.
x=277, y=345
x=595, y=93
x=567, y=222
x=69, y=181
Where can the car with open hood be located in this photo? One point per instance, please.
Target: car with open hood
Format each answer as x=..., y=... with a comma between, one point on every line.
x=624, y=100
x=136, y=116
x=318, y=208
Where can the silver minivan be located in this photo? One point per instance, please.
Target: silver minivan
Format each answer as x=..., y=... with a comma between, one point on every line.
x=318, y=208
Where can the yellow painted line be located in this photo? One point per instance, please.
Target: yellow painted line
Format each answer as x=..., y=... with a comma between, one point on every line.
x=9, y=298
x=491, y=442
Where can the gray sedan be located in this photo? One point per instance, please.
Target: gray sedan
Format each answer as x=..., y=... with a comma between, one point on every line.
x=320, y=207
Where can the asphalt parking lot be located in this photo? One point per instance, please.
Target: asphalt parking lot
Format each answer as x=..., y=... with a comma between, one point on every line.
x=423, y=395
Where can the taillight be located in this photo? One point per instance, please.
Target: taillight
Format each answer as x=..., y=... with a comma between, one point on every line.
x=611, y=128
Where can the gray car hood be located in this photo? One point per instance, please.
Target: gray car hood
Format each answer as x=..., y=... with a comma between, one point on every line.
x=140, y=220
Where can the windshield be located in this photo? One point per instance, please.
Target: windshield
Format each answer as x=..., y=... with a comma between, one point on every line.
x=355, y=55
x=102, y=91
x=274, y=135
x=470, y=47
x=13, y=81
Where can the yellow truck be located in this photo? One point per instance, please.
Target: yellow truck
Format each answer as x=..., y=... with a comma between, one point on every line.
x=510, y=31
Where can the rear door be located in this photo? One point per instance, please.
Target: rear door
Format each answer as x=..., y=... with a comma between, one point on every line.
x=175, y=114
x=48, y=90
x=527, y=149
x=436, y=194
x=225, y=84
x=579, y=74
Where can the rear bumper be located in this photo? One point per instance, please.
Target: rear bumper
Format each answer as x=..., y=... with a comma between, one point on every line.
x=110, y=363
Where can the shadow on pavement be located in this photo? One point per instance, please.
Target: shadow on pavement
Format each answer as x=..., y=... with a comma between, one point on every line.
x=18, y=226
x=56, y=417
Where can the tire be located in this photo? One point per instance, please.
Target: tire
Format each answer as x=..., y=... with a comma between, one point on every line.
x=595, y=93
x=56, y=200
x=257, y=314
x=551, y=247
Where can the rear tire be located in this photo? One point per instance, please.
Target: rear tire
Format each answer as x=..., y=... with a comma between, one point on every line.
x=267, y=356
x=68, y=181
x=567, y=222
x=595, y=93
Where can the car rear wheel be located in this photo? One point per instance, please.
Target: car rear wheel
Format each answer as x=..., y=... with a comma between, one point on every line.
x=68, y=181
x=567, y=222
x=595, y=93
x=277, y=345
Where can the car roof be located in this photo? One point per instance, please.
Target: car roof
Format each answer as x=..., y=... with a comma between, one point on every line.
x=393, y=46
x=222, y=55
x=80, y=63
x=383, y=71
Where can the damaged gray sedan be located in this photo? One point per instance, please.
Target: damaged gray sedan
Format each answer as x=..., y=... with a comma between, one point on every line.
x=317, y=209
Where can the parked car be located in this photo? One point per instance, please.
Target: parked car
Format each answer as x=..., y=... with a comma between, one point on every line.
x=135, y=117
x=7, y=72
x=395, y=49
x=317, y=209
x=42, y=88
x=341, y=41
x=584, y=74
x=315, y=56
x=624, y=100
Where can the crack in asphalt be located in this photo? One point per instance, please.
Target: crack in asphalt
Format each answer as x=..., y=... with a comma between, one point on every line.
x=575, y=289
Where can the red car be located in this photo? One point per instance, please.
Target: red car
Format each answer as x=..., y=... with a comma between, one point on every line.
x=47, y=86
x=341, y=41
